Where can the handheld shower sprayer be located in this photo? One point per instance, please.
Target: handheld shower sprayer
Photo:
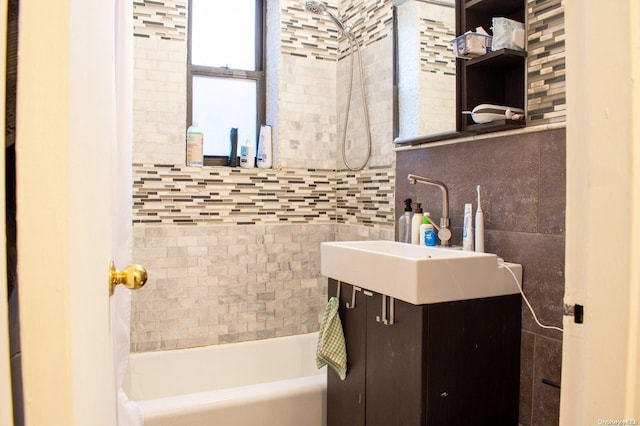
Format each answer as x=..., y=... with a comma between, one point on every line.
x=319, y=8
x=315, y=6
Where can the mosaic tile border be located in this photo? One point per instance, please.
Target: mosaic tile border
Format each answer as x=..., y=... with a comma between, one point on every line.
x=546, y=69
x=372, y=19
x=180, y=195
x=366, y=198
x=163, y=19
x=436, y=54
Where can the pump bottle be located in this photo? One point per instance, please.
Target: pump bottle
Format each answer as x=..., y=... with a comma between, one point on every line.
x=404, y=223
x=415, y=224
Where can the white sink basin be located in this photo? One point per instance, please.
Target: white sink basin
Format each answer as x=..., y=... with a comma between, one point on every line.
x=417, y=274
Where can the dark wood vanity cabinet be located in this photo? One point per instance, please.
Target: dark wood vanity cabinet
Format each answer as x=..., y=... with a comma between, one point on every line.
x=496, y=78
x=446, y=363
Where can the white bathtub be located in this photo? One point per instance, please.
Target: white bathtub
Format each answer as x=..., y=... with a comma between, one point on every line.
x=264, y=382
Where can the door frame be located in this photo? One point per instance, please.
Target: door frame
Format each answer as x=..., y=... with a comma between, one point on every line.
x=6, y=407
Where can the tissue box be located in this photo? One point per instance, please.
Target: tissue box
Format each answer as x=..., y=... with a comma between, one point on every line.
x=507, y=34
x=470, y=45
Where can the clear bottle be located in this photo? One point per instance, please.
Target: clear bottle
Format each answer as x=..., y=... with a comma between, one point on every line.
x=416, y=221
x=404, y=223
x=195, y=140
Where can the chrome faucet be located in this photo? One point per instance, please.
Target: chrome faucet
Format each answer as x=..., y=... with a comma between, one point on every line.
x=444, y=234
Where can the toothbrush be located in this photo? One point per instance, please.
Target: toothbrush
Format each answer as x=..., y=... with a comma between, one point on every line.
x=479, y=226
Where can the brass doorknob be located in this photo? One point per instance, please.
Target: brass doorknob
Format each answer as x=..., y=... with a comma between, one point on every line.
x=133, y=277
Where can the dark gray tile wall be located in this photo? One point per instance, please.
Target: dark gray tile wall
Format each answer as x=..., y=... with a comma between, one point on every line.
x=522, y=182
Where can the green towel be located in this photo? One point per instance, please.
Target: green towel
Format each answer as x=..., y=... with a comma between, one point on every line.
x=331, y=349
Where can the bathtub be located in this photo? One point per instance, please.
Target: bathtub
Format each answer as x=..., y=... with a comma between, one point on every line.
x=264, y=382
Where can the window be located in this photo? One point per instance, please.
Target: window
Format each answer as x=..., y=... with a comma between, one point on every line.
x=225, y=75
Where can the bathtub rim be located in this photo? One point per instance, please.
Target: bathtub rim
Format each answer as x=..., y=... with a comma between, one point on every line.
x=143, y=384
x=240, y=395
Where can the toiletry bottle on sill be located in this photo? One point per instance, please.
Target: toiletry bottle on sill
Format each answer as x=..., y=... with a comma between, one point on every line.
x=264, y=154
x=404, y=223
x=233, y=148
x=247, y=156
x=195, y=139
x=415, y=224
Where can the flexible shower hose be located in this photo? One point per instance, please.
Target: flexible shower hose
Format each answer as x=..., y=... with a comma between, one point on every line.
x=351, y=39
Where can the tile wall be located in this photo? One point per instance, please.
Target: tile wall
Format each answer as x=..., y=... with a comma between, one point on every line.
x=522, y=180
x=219, y=284
x=233, y=254
x=378, y=66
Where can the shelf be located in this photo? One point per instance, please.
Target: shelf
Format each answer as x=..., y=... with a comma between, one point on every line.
x=497, y=6
x=494, y=78
x=435, y=137
x=495, y=126
x=499, y=58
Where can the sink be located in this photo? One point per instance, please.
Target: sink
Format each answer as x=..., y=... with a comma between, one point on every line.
x=417, y=274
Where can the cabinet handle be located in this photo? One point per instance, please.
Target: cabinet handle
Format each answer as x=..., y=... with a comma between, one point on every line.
x=383, y=318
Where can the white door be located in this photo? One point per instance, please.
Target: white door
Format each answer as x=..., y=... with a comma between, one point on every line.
x=601, y=358
x=70, y=174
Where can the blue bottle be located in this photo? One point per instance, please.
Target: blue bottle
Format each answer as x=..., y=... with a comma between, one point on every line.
x=429, y=233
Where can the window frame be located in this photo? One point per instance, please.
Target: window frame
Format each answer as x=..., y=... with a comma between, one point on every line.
x=258, y=75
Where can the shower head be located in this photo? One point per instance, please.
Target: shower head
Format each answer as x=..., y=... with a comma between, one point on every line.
x=319, y=7
x=315, y=6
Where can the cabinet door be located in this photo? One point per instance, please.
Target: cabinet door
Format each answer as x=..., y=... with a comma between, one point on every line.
x=473, y=362
x=346, y=398
x=395, y=369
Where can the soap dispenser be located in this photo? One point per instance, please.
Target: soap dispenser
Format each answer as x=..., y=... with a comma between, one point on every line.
x=415, y=224
x=404, y=223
